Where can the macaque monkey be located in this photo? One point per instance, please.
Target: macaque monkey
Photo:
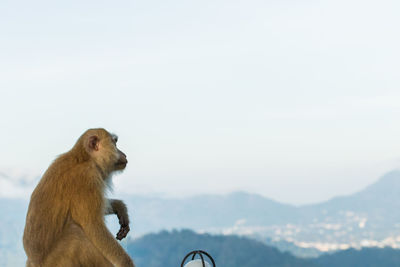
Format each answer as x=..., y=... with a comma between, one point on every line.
x=65, y=221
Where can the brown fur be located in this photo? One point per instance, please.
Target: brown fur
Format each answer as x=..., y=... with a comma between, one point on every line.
x=65, y=221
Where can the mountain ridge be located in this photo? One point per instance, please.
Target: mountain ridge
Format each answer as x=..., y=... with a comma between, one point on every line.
x=367, y=217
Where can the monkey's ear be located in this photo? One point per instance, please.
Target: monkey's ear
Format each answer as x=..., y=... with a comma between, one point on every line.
x=93, y=143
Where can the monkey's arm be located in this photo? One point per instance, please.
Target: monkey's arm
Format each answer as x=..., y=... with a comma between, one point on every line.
x=118, y=207
x=90, y=216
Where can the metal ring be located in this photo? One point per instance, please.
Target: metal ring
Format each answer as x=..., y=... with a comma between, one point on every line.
x=200, y=252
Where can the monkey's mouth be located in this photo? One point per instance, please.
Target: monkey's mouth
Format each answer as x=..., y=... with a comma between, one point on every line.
x=121, y=164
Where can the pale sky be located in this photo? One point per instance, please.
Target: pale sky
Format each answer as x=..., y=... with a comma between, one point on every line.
x=298, y=101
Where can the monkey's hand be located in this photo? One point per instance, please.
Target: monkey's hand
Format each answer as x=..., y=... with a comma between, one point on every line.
x=119, y=208
x=124, y=223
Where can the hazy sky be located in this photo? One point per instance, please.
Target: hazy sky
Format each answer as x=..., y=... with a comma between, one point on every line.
x=296, y=100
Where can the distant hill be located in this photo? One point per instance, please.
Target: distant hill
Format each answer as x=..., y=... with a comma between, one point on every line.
x=167, y=249
x=367, y=257
x=370, y=217
x=380, y=199
x=207, y=211
x=379, y=202
x=371, y=214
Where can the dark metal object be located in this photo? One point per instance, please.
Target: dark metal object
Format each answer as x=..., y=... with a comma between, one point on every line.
x=200, y=252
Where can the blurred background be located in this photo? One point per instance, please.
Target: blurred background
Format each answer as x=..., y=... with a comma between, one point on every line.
x=268, y=122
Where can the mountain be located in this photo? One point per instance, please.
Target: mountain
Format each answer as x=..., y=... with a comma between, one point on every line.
x=167, y=249
x=380, y=198
x=367, y=257
x=207, y=211
x=370, y=216
x=367, y=218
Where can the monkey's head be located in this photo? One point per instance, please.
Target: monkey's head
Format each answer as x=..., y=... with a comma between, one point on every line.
x=101, y=147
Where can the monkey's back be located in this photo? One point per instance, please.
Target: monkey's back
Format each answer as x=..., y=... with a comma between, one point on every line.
x=49, y=210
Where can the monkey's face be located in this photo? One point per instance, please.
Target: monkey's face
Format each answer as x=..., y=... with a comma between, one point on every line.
x=121, y=161
x=103, y=148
